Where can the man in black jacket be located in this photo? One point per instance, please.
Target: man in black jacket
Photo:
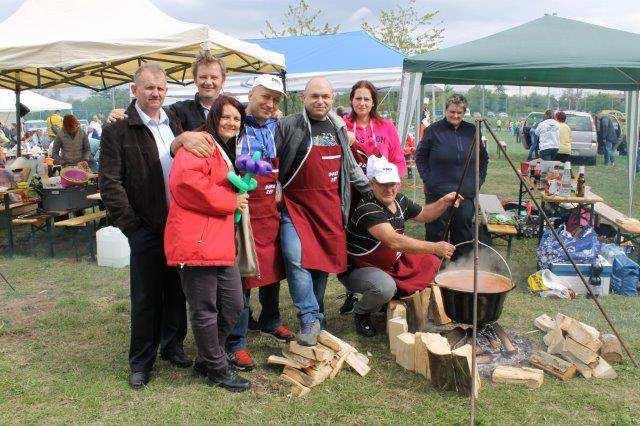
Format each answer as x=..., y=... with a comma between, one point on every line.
x=134, y=170
x=440, y=158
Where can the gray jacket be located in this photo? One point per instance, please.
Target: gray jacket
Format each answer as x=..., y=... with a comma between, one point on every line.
x=293, y=142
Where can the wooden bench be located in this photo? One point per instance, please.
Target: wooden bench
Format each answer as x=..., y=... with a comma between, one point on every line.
x=79, y=222
x=490, y=204
x=624, y=225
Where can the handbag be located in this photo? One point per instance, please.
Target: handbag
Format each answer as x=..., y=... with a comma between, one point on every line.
x=246, y=257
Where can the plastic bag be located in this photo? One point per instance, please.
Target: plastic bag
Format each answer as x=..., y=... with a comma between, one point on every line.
x=546, y=284
x=583, y=249
x=610, y=251
x=624, y=276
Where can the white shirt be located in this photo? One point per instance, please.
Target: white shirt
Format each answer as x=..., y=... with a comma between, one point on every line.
x=163, y=136
x=97, y=126
x=548, y=133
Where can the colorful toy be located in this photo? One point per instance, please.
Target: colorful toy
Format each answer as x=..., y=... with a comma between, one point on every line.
x=250, y=165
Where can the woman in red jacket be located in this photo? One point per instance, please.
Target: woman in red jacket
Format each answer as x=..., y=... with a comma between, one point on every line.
x=199, y=238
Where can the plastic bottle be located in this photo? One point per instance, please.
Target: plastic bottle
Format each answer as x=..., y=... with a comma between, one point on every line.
x=566, y=180
x=580, y=188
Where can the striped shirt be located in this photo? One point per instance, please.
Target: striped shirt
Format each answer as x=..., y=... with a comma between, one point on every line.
x=370, y=212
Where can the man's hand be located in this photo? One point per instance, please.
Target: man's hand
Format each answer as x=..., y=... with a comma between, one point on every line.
x=352, y=137
x=443, y=249
x=200, y=144
x=242, y=202
x=83, y=165
x=450, y=199
x=116, y=114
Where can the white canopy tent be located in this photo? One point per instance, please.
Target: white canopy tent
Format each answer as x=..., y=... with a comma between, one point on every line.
x=31, y=100
x=98, y=45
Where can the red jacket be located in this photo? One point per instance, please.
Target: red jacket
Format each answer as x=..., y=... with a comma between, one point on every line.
x=200, y=227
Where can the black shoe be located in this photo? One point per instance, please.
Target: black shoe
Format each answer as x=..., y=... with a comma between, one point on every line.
x=138, y=379
x=364, y=326
x=230, y=381
x=179, y=359
x=253, y=324
x=349, y=303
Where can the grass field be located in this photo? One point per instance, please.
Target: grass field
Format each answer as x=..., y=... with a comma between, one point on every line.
x=64, y=342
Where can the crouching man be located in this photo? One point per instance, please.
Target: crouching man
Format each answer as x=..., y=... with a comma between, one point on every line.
x=382, y=260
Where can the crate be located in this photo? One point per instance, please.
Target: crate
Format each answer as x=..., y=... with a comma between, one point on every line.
x=572, y=280
x=59, y=199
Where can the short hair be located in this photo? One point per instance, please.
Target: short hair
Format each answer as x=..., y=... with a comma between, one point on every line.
x=548, y=114
x=456, y=99
x=213, y=119
x=205, y=57
x=561, y=116
x=152, y=67
x=364, y=84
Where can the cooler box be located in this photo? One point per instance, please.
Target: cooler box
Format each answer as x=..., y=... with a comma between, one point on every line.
x=60, y=199
x=572, y=280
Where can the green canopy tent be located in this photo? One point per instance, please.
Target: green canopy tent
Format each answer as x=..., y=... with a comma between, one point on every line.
x=550, y=52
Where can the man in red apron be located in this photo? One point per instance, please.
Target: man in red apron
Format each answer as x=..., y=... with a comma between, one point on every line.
x=316, y=170
x=382, y=260
x=264, y=99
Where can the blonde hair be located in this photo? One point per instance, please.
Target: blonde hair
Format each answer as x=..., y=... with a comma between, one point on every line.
x=206, y=58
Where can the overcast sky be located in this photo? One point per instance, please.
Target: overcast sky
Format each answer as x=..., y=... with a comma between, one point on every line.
x=463, y=20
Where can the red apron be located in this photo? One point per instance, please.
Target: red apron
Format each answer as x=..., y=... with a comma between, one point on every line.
x=313, y=202
x=411, y=271
x=265, y=222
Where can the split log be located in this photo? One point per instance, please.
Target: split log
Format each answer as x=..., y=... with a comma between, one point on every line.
x=396, y=309
x=319, y=372
x=317, y=353
x=581, y=352
x=552, y=364
x=604, y=371
x=449, y=370
x=358, y=364
x=438, y=312
x=611, y=349
x=362, y=357
x=297, y=389
x=405, y=352
x=421, y=355
x=584, y=370
x=417, y=306
x=339, y=361
x=554, y=340
x=396, y=327
x=332, y=342
x=299, y=376
x=279, y=360
x=463, y=372
x=582, y=333
x=504, y=339
x=545, y=323
x=299, y=359
x=530, y=377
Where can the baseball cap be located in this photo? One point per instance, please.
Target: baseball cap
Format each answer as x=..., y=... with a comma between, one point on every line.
x=268, y=81
x=380, y=169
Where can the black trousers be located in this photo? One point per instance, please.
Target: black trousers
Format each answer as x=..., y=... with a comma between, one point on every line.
x=461, y=228
x=158, y=309
x=215, y=300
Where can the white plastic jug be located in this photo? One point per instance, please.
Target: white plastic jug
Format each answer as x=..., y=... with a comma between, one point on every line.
x=113, y=247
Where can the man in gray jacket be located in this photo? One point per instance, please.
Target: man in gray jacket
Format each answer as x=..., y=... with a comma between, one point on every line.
x=316, y=173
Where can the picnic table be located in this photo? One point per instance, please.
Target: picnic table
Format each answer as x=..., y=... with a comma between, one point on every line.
x=625, y=226
x=490, y=204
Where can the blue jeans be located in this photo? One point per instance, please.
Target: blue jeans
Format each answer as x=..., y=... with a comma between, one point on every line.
x=268, y=321
x=608, y=153
x=533, y=148
x=305, y=286
x=549, y=154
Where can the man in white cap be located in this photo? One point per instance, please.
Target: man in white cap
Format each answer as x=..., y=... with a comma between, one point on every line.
x=260, y=128
x=382, y=260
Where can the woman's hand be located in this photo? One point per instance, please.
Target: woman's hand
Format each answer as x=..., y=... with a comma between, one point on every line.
x=443, y=249
x=450, y=199
x=242, y=202
x=352, y=137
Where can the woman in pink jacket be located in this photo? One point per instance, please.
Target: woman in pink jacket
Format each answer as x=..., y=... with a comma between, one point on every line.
x=200, y=240
x=373, y=134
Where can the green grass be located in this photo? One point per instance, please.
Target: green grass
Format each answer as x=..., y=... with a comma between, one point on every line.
x=64, y=342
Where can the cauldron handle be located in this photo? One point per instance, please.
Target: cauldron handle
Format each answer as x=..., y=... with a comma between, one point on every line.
x=492, y=249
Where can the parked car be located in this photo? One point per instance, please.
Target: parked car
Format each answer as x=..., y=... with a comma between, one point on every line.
x=503, y=115
x=584, y=137
x=32, y=125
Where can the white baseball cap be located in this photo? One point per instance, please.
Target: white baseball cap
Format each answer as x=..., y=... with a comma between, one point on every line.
x=269, y=81
x=380, y=169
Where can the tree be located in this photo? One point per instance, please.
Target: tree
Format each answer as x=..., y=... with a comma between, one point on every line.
x=406, y=29
x=300, y=19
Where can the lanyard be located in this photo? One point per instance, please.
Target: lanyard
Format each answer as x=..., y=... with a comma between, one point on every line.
x=373, y=134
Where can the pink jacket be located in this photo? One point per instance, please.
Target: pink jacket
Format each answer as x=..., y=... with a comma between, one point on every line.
x=380, y=137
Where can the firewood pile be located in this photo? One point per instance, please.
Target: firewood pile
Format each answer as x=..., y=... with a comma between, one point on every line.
x=573, y=346
x=308, y=366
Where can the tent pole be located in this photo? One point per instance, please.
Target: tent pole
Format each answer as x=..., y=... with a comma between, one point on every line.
x=416, y=134
x=18, y=123
x=476, y=257
x=283, y=76
x=433, y=104
x=482, y=100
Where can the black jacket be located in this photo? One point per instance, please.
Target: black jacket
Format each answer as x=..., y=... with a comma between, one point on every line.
x=440, y=158
x=189, y=112
x=130, y=177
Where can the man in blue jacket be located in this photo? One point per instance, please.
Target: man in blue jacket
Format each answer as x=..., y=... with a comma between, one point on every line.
x=440, y=158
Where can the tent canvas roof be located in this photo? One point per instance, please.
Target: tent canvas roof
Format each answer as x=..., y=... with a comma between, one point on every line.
x=549, y=51
x=83, y=46
x=31, y=100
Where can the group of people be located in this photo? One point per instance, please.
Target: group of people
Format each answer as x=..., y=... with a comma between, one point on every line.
x=331, y=206
x=551, y=138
